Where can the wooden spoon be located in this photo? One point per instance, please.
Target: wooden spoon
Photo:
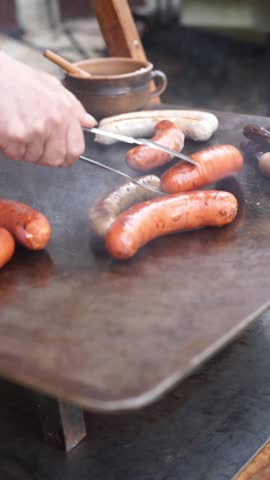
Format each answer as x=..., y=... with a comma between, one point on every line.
x=65, y=65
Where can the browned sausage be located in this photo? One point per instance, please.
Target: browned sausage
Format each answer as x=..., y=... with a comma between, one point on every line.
x=264, y=163
x=214, y=163
x=162, y=216
x=258, y=135
x=108, y=208
x=30, y=227
x=144, y=158
x=7, y=247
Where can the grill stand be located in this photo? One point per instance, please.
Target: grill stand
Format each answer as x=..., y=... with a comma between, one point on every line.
x=62, y=424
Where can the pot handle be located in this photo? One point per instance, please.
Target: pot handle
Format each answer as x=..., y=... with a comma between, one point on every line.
x=161, y=81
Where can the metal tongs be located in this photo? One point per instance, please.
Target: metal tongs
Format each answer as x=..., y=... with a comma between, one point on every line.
x=113, y=170
x=139, y=141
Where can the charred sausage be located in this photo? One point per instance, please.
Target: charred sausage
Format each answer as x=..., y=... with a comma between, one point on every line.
x=258, y=135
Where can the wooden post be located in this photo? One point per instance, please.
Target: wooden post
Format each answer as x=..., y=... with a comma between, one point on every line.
x=258, y=467
x=119, y=30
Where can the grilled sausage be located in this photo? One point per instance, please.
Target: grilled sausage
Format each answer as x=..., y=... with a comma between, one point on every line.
x=214, y=163
x=29, y=227
x=106, y=210
x=258, y=135
x=144, y=158
x=162, y=216
x=264, y=163
x=195, y=125
x=7, y=247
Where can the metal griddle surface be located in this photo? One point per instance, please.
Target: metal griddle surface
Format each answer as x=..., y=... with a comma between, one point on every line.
x=114, y=336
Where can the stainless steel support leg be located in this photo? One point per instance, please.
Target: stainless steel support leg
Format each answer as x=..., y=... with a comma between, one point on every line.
x=62, y=424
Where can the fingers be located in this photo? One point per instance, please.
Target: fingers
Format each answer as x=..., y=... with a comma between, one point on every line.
x=69, y=133
x=55, y=148
x=86, y=120
x=41, y=121
x=75, y=143
x=12, y=144
x=66, y=143
x=13, y=151
x=35, y=149
x=63, y=147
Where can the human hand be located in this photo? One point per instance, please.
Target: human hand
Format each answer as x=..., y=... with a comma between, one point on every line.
x=40, y=121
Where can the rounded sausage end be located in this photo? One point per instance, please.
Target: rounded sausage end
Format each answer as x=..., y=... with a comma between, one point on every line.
x=37, y=233
x=7, y=247
x=119, y=246
x=264, y=164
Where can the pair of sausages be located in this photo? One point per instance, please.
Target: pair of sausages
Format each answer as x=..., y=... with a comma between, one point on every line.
x=213, y=163
x=104, y=213
x=125, y=230
x=25, y=225
x=141, y=158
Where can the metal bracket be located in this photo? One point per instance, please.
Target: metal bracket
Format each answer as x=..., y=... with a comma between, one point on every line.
x=62, y=424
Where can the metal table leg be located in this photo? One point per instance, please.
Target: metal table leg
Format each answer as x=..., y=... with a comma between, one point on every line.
x=62, y=424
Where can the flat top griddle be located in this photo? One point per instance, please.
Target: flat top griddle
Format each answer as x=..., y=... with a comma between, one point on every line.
x=113, y=336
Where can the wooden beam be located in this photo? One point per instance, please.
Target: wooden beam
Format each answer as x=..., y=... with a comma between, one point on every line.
x=258, y=468
x=118, y=28
x=120, y=32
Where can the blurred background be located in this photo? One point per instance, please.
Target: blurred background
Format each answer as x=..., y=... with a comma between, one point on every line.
x=215, y=52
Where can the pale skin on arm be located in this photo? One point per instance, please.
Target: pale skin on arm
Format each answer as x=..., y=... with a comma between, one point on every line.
x=40, y=121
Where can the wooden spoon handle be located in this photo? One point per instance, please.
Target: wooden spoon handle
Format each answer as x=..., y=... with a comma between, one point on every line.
x=65, y=65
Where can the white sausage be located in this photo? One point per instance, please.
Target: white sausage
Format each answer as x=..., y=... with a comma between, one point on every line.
x=196, y=125
x=107, y=209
